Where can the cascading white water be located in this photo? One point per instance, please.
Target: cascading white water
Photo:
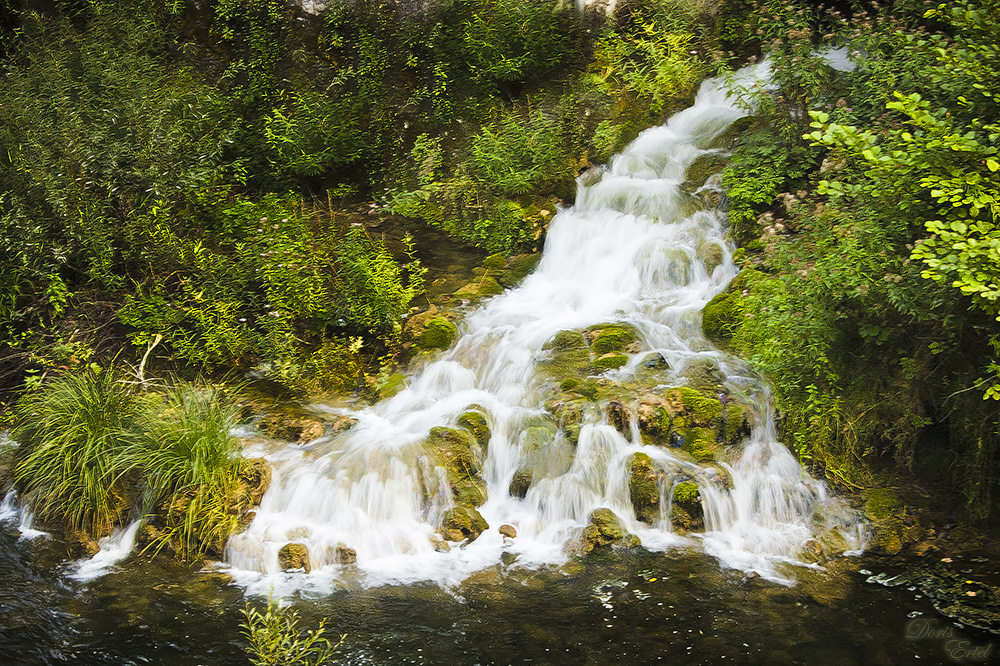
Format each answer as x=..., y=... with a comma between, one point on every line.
x=631, y=250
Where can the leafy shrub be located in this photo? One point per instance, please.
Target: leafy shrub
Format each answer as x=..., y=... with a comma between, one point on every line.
x=276, y=640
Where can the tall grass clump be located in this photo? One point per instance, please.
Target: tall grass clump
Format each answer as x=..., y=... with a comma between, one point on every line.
x=74, y=434
x=192, y=466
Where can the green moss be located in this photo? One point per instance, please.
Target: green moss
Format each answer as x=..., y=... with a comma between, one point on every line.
x=881, y=503
x=704, y=374
x=520, y=267
x=720, y=317
x=686, y=494
x=735, y=423
x=486, y=286
x=457, y=451
x=566, y=340
x=495, y=261
x=569, y=384
x=700, y=443
x=567, y=363
x=439, y=334
x=393, y=384
x=643, y=489
x=463, y=523
x=700, y=409
x=475, y=421
x=612, y=338
x=610, y=361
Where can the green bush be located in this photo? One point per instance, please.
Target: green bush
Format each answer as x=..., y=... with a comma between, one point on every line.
x=74, y=435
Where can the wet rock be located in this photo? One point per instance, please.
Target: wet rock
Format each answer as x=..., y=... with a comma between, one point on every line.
x=736, y=423
x=80, y=544
x=291, y=428
x=439, y=333
x=620, y=418
x=606, y=338
x=294, y=557
x=485, y=286
x=518, y=268
x=393, y=384
x=655, y=419
x=508, y=531
x=722, y=315
x=604, y=530
x=456, y=450
x=520, y=484
x=440, y=545
x=463, y=523
x=508, y=558
x=655, y=361
x=686, y=511
x=345, y=554
x=414, y=327
x=610, y=361
x=704, y=375
x=711, y=255
x=566, y=341
x=475, y=421
x=812, y=551
x=703, y=166
x=253, y=481
x=643, y=489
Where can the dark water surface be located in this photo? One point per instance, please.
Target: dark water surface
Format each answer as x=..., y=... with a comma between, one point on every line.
x=627, y=608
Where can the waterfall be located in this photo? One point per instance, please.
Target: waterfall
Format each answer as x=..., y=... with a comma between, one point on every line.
x=632, y=250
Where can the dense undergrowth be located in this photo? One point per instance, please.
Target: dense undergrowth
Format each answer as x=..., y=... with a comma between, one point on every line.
x=176, y=174
x=866, y=202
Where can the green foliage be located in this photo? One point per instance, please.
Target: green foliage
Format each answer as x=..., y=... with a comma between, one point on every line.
x=74, y=433
x=191, y=465
x=276, y=640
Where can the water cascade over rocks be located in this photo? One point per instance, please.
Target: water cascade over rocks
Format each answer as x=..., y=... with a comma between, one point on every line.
x=579, y=410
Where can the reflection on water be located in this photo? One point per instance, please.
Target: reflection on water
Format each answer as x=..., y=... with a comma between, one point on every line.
x=630, y=607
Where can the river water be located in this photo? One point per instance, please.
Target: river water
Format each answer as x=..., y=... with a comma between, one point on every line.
x=639, y=249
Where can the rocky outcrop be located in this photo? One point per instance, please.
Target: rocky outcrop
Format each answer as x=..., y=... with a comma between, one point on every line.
x=643, y=489
x=463, y=523
x=686, y=512
x=456, y=450
x=294, y=557
x=604, y=530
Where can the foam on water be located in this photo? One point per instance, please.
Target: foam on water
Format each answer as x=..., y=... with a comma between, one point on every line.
x=630, y=251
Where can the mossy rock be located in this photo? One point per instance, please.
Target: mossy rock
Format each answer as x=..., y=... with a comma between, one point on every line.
x=704, y=375
x=655, y=420
x=462, y=523
x=294, y=557
x=520, y=483
x=605, y=338
x=699, y=443
x=654, y=361
x=566, y=363
x=643, y=489
x=711, y=255
x=393, y=384
x=895, y=524
x=253, y=481
x=476, y=422
x=703, y=166
x=291, y=428
x=566, y=340
x=569, y=384
x=518, y=268
x=457, y=451
x=620, y=418
x=604, y=530
x=485, y=286
x=495, y=262
x=439, y=333
x=736, y=423
x=686, y=511
x=610, y=361
x=723, y=315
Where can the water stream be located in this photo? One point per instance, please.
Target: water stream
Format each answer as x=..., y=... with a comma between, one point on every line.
x=634, y=249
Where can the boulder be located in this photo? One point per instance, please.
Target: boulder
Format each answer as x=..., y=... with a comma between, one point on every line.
x=620, y=418
x=475, y=421
x=508, y=531
x=604, y=530
x=643, y=489
x=606, y=338
x=456, y=450
x=686, y=512
x=438, y=333
x=462, y=523
x=294, y=557
x=520, y=483
x=292, y=428
x=610, y=361
x=345, y=555
x=566, y=341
